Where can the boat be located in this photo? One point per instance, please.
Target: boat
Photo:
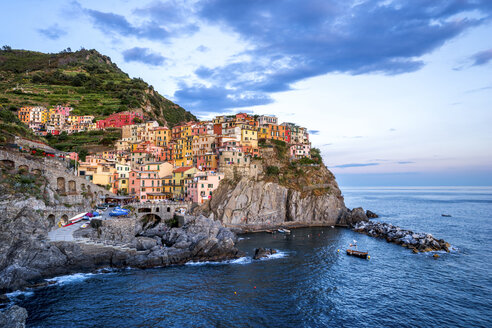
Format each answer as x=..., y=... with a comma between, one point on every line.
x=118, y=211
x=283, y=230
x=75, y=219
x=362, y=255
x=446, y=215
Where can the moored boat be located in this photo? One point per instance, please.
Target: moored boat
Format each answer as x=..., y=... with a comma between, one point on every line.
x=360, y=254
x=283, y=230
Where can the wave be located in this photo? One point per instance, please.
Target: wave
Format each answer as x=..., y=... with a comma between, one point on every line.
x=71, y=278
x=241, y=260
x=19, y=294
x=278, y=255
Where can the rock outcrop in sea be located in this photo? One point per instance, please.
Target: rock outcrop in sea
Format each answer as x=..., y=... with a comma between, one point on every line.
x=418, y=242
x=13, y=317
x=299, y=195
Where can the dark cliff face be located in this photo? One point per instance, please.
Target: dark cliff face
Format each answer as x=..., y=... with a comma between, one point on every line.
x=266, y=202
x=28, y=256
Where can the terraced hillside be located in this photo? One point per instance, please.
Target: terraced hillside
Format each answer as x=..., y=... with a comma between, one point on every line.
x=85, y=80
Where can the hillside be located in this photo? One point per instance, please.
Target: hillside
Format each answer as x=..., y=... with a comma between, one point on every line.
x=85, y=80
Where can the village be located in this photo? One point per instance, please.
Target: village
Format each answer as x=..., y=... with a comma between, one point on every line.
x=152, y=163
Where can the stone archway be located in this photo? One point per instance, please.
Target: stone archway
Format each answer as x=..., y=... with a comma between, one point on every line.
x=64, y=219
x=72, y=186
x=23, y=169
x=7, y=164
x=60, y=185
x=51, y=219
x=150, y=220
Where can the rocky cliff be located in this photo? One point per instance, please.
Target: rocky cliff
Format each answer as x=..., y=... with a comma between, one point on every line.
x=298, y=193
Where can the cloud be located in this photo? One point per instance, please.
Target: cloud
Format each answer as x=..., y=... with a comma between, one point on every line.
x=479, y=89
x=405, y=162
x=314, y=132
x=289, y=41
x=343, y=166
x=482, y=57
x=143, y=55
x=216, y=99
x=202, y=48
x=54, y=32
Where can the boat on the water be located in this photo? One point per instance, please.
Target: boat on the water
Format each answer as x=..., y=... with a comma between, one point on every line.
x=283, y=230
x=446, y=215
x=362, y=255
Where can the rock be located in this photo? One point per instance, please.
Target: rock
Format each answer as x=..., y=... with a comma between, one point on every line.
x=145, y=243
x=263, y=252
x=418, y=242
x=371, y=215
x=258, y=205
x=13, y=317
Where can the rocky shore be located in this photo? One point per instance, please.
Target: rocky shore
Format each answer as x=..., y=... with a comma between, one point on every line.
x=417, y=242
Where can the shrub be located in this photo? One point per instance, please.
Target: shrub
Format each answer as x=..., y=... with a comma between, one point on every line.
x=272, y=170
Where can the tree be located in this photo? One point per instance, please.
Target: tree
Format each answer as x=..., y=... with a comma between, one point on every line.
x=6, y=48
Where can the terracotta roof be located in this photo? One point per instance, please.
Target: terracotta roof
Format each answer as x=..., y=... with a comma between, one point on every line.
x=182, y=169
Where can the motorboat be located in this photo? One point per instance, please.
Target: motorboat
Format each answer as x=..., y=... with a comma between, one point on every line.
x=118, y=211
x=283, y=230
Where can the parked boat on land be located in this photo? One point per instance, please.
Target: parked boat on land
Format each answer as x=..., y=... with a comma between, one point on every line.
x=118, y=211
x=75, y=219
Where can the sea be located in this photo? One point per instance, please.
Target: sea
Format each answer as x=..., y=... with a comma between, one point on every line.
x=310, y=281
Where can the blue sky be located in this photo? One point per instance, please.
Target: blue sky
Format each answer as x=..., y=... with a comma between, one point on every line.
x=394, y=92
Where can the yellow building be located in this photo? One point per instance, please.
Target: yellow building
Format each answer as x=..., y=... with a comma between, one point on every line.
x=249, y=136
x=105, y=175
x=162, y=136
x=24, y=114
x=181, y=177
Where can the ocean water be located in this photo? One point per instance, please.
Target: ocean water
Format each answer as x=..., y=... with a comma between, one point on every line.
x=308, y=283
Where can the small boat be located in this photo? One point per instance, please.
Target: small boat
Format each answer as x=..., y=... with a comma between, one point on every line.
x=118, y=211
x=446, y=215
x=283, y=230
x=362, y=255
x=75, y=219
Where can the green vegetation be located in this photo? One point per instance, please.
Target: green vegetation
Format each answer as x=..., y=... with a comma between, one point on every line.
x=281, y=147
x=82, y=142
x=316, y=155
x=22, y=182
x=85, y=80
x=272, y=170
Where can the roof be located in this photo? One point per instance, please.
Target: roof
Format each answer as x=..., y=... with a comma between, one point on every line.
x=182, y=169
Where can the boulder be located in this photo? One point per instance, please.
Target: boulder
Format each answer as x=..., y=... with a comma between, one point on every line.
x=371, y=215
x=263, y=252
x=13, y=317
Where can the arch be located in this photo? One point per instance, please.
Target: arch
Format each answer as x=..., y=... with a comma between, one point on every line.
x=157, y=209
x=150, y=220
x=36, y=171
x=145, y=210
x=64, y=219
x=168, y=209
x=7, y=164
x=23, y=168
x=72, y=186
x=60, y=184
x=82, y=186
x=51, y=219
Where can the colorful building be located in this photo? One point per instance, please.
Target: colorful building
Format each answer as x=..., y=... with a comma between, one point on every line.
x=118, y=120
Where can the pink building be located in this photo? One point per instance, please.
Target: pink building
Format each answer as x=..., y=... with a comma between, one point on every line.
x=62, y=110
x=117, y=120
x=143, y=183
x=202, y=186
x=298, y=151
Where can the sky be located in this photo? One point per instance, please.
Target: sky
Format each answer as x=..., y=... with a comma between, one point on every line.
x=393, y=92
